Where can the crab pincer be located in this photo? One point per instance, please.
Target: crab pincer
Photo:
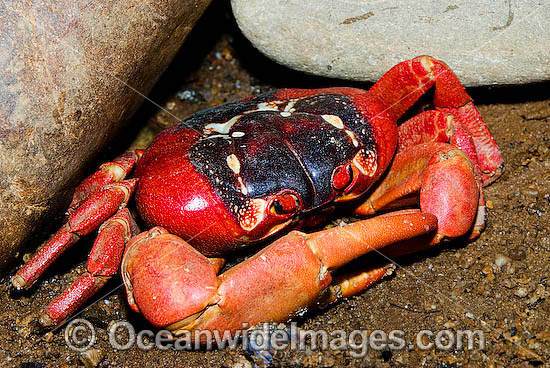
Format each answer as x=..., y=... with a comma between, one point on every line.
x=177, y=288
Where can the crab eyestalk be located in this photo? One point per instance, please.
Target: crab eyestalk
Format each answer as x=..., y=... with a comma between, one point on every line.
x=175, y=287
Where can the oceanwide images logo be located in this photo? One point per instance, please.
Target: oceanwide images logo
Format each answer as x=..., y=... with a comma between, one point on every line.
x=80, y=335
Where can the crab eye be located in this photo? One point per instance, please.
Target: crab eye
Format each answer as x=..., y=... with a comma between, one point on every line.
x=284, y=204
x=342, y=177
x=276, y=207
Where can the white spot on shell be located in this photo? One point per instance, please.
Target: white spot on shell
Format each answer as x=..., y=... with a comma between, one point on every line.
x=243, y=187
x=233, y=163
x=290, y=106
x=225, y=127
x=222, y=128
x=366, y=162
x=237, y=134
x=254, y=212
x=224, y=136
x=334, y=121
x=353, y=138
x=285, y=114
x=268, y=106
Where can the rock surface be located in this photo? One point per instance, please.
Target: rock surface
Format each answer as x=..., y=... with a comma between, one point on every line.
x=485, y=43
x=65, y=71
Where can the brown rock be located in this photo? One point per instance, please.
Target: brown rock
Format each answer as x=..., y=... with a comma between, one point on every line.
x=65, y=71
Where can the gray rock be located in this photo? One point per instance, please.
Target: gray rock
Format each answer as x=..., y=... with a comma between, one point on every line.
x=484, y=42
x=65, y=71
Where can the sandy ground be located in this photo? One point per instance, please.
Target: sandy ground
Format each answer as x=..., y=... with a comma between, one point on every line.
x=498, y=284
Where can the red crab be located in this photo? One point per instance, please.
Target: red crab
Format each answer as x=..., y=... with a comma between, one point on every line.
x=238, y=173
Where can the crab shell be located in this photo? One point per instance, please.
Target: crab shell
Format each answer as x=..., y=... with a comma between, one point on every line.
x=237, y=173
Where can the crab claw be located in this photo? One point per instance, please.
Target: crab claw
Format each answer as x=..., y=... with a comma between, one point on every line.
x=166, y=279
x=448, y=188
x=176, y=287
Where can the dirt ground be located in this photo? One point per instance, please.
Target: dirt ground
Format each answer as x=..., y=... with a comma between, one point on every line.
x=498, y=284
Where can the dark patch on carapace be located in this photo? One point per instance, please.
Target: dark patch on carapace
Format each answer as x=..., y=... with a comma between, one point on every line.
x=280, y=146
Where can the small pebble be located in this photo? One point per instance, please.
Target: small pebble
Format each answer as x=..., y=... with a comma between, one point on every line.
x=521, y=292
x=26, y=326
x=48, y=336
x=502, y=260
x=237, y=362
x=533, y=344
x=465, y=262
x=489, y=204
x=530, y=192
x=226, y=54
x=91, y=358
x=517, y=254
x=27, y=257
x=449, y=325
x=543, y=150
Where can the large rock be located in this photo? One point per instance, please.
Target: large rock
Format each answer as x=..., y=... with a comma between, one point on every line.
x=485, y=42
x=69, y=72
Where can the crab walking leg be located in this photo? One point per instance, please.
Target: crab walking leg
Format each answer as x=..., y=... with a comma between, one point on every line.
x=437, y=126
x=176, y=287
x=93, y=211
x=406, y=82
x=109, y=172
x=94, y=200
x=103, y=263
x=351, y=283
x=448, y=188
x=489, y=156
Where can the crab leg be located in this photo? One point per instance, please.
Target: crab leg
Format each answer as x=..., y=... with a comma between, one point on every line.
x=109, y=172
x=352, y=283
x=448, y=188
x=175, y=286
x=96, y=199
x=98, y=207
x=406, y=82
x=437, y=126
x=103, y=263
